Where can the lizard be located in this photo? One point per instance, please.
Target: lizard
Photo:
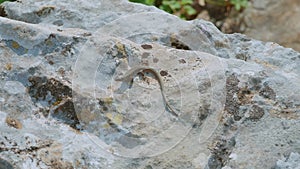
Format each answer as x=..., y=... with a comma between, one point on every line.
x=128, y=77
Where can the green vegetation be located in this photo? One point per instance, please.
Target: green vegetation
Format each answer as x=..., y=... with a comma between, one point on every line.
x=238, y=4
x=1, y=1
x=186, y=8
x=181, y=8
x=146, y=2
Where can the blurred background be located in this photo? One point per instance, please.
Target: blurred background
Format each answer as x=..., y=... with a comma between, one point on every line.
x=267, y=20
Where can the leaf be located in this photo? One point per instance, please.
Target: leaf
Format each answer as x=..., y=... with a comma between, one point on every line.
x=190, y=10
x=166, y=8
x=175, y=6
x=149, y=2
x=1, y=1
x=186, y=2
x=244, y=3
x=237, y=6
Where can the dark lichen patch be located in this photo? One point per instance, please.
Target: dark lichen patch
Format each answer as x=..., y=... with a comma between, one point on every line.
x=232, y=103
x=105, y=101
x=245, y=96
x=220, y=150
x=229, y=124
x=10, y=145
x=67, y=49
x=256, y=113
x=163, y=73
x=52, y=157
x=175, y=43
x=8, y=66
x=220, y=44
x=45, y=11
x=146, y=46
x=267, y=92
x=241, y=57
x=54, y=44
x=56, y=97
x=121, y=49
x=60, y=164
x=182, y=61
x=66, y=114
x=285, y=113
x=12, y=122
x=37, y=89
x=203, y=112
x=42, y=86
x=48, y=41
x=237, y=97
x=50, y=62
x=287, y=109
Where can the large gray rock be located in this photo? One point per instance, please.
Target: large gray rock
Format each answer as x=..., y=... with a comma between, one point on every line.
x=64, y=102
x=274, y=20
x=291, y=161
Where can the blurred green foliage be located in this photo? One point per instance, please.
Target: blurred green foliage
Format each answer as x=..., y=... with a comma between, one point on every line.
x=238, y=4
x=146, y=2
x=181, y=8
x=185, y=8
x=1, y=1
